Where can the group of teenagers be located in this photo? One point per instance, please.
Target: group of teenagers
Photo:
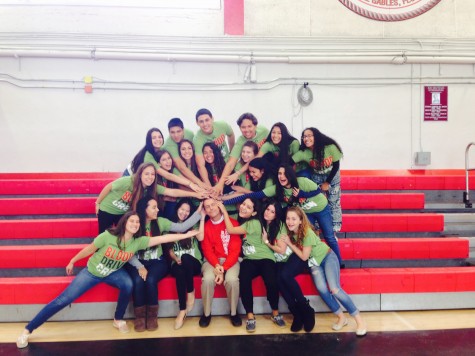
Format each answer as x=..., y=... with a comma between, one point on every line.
x=227, y=209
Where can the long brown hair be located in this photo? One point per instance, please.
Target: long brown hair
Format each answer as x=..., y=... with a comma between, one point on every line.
x=138, y=191
x=303, y=228
x=119, y=229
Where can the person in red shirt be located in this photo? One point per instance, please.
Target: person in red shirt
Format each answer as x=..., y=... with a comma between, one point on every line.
x=221, y=251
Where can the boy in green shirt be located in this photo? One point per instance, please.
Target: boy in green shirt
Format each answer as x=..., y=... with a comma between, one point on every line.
x=247, y=123
x=211, y=131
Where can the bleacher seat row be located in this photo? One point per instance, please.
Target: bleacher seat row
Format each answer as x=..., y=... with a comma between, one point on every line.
x=382, y=222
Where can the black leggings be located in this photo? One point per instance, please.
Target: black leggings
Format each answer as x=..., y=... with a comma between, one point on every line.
x=289, y=288
x=107, y=220
x=184, y=274
x=250, y=269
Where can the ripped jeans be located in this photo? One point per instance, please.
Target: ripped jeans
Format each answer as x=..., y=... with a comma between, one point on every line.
x=327, y=279
x=333, y=196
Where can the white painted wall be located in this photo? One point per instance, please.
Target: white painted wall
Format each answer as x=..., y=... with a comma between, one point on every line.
x=374, y=110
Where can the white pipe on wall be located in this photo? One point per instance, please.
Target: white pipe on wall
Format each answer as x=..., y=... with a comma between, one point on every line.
x=314, y=58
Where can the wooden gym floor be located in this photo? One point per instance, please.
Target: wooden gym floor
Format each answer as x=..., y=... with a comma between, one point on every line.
x=450, y=332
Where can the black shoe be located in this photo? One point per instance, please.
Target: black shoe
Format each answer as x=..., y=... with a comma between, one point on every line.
x=308, y=316
x=205, y=320
x=236, y=320
x=297, y=323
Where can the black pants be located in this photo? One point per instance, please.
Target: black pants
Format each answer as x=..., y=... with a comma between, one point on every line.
x=107, y=220
x=289, y=288
x=184, y=274
x=250, y=269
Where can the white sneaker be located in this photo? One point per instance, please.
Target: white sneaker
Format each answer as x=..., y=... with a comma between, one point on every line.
x=121, y=325
x=22, y=341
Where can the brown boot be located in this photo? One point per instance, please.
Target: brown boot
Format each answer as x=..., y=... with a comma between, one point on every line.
x=152, y=315
x=140, y=315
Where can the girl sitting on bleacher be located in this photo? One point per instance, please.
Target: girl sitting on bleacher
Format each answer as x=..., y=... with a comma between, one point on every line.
x=154, y=266
x=186, y=260
x=110, y=252
x=259, y=260
x=324, y=267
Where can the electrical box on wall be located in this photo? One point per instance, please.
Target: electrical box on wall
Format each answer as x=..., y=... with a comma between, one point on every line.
x=422, y=158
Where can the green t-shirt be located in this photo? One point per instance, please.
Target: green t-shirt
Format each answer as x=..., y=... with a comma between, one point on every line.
x=331, y=154
x=313, y=204
x=154, y=252
x=149, y=158
x=260, y=139
x=319, y=248
x=172, y=147
x=244, y=179
x=270, y=147
x=109, y=257
x=253, y=248
x=288, y=251
x=194, y=250
x=221, y=129
x=118, y=200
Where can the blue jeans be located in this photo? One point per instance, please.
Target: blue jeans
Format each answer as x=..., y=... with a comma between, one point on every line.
x=324, y=219
x=329, y=273
x=81, y=284
x=146, y=292
x=288, y=286
x=333, y=196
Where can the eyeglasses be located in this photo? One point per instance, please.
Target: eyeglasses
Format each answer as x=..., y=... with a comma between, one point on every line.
x=307, y=136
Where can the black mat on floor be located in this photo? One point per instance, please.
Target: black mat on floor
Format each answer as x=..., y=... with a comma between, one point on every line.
x=441, y=342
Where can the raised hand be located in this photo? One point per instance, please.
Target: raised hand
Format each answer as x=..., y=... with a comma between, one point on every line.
x=295, y=192
x=200, y=209
x=231, y=179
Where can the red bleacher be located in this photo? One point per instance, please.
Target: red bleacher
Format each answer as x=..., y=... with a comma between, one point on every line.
x=354, y=281
x=18, y=290
x=453, y=179
x=76, y=227
x=85, y=205
x=92, y=183
x=47, y=206
x=50, y=256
